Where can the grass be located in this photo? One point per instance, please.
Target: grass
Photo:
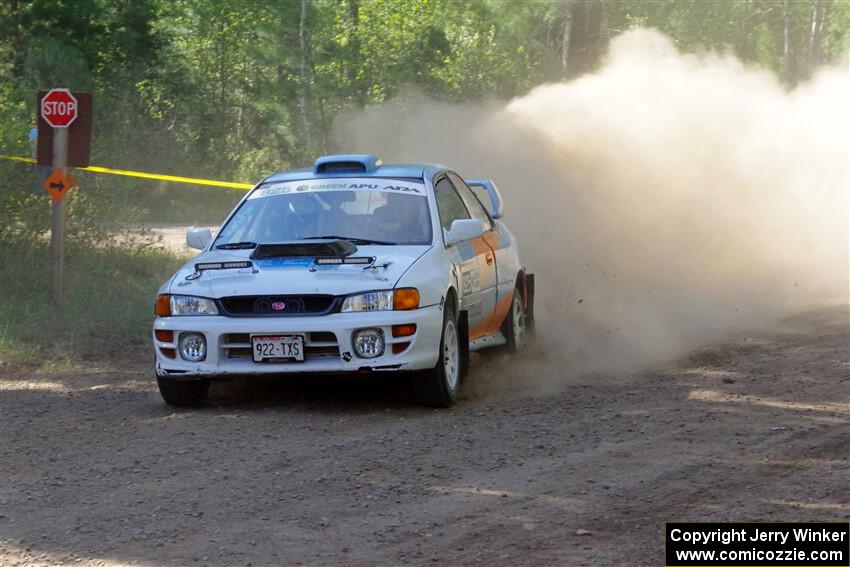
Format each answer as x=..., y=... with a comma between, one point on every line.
x=108, y=306
x=134, y=200
x=116, y=200
x=183, y=205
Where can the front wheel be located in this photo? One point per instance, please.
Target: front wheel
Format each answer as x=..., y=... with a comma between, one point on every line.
x=515, y=324
x=183, y=392
x=438, y=387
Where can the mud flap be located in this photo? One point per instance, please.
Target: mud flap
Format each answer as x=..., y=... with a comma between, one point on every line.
x=463, y=337
x=529, y=301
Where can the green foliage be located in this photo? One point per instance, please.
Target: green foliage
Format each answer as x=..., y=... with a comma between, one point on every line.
x=235, y=90
x=108, y=305
x=240, y=88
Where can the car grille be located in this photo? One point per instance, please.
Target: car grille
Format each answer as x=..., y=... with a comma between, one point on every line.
x=316, y=345
x=278, y=305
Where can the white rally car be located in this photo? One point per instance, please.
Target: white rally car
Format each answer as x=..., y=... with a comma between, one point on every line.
x=348, y=266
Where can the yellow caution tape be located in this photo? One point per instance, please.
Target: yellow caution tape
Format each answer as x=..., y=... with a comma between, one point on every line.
x=174, y=178
x=16, y=158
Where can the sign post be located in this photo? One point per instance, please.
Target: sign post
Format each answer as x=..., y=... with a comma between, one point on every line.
x=59, y=109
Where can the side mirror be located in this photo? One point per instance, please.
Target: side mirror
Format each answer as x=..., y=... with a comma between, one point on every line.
x=463, y=230
x=198, y=238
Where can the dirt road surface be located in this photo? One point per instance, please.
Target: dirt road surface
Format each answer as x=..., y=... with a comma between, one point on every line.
x=170, y=236
x=96, y=470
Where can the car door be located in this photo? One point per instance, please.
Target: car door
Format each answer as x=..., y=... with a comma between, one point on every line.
x=469, y=257
x=484, y=245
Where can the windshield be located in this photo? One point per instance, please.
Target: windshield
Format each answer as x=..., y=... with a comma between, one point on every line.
x=369, y=210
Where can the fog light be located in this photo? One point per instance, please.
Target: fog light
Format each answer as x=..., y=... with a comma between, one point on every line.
x=369, y=343
x=193, y=347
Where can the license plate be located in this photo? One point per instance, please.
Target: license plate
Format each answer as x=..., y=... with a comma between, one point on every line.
x=277, y=348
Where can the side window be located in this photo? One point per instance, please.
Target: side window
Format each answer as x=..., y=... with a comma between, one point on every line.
x=472, y=202
x=449, y=203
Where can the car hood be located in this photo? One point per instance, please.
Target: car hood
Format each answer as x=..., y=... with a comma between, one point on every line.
x=293, y=276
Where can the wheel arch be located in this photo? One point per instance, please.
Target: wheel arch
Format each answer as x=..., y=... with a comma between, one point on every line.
x=525, y=285
x=452, y=299
x=463, y=330
x=519, y=284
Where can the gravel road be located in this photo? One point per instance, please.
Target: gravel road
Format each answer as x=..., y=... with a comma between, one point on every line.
x=96, y=470
x=170, y=236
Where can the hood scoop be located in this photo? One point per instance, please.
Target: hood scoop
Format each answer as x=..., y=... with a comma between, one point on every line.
x=302, y=249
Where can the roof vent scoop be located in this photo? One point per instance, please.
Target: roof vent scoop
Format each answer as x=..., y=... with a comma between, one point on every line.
x=347, y=163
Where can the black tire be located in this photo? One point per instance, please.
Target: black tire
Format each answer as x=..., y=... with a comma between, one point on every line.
x=437, y=387
x=463, y=332
x=183, y=392
x=516, y=334
x=529, y=305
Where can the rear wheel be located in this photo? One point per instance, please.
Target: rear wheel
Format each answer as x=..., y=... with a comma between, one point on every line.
x=438, y=387
x=514, y=327
x=183, y=392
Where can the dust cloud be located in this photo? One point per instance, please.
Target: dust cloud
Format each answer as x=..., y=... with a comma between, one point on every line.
x=665, y=202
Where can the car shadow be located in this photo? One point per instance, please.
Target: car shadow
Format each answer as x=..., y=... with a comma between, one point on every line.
x=316, y=392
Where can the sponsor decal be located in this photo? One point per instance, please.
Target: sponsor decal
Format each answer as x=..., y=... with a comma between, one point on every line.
x=300, y=262
x=474, y=310
x=385, y=186
x=470, y=281
x=401, y=188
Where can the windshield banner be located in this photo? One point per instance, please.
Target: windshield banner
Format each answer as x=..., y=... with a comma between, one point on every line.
x=369, y=184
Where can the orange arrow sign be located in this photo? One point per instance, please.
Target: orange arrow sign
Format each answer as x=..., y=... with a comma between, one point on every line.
x=59, y=183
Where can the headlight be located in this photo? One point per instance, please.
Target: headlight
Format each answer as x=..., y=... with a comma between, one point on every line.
x=173, y=305
x=191, y=305
x=372, y=301
x=386, y=300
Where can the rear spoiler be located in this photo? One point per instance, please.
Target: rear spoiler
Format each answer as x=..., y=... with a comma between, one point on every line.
x=492, y=191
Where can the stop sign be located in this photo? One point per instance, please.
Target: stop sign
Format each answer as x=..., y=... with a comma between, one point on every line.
x=59, y=108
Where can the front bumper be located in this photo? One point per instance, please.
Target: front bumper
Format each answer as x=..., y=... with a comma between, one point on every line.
x=328, y=343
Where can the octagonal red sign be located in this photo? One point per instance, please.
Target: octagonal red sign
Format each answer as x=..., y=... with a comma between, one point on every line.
x=59, y=108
